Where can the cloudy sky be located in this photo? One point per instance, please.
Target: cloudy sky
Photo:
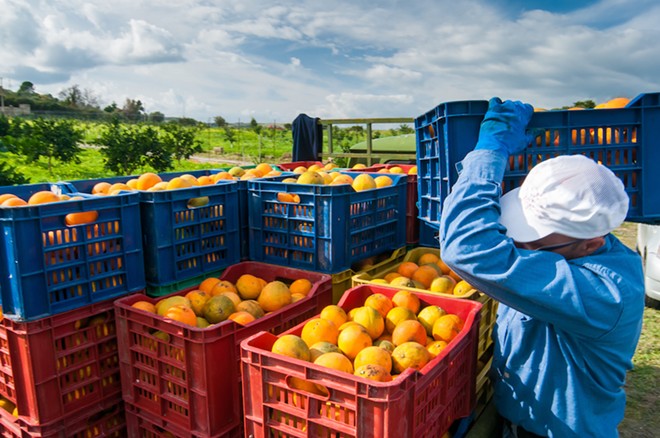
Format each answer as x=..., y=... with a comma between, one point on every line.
x=330, y=59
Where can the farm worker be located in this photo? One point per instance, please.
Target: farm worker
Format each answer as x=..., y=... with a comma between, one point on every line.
x=571, y=294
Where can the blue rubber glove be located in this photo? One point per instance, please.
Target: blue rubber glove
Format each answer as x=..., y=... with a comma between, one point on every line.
x=503, y=127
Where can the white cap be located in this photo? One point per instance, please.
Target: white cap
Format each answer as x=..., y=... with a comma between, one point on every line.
x=570, y=195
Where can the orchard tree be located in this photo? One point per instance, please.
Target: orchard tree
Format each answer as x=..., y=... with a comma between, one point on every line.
x=156, y=117
x=26, y=88
x=9, y=175
x=181, y=141
x=133, y=109
x=52, y=139
x=220, y=121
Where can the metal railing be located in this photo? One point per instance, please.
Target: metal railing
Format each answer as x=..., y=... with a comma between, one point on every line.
x=368, y=155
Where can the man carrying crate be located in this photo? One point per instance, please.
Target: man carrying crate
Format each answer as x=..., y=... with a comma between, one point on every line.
x=571, y=294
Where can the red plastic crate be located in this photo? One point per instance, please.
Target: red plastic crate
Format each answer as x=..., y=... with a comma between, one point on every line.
x=412, y=212
x=430, y=399
x=105, y=419
x=61, y=364
x=141, y=424
x=192, y=378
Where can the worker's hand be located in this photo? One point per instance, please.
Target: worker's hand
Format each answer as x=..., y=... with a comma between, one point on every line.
x=503, y=127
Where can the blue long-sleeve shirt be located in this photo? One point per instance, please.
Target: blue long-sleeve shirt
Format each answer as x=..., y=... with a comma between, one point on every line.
x=566, y=330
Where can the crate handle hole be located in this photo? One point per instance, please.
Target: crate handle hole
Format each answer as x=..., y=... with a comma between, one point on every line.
x=82, y=218
x=307, y=386
x=198, y=202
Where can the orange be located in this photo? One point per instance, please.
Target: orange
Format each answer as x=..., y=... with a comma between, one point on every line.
x=132, y=183
x=446, y=328
x=379, y=302
x=427, y=258
x=443, y=266
x=291, y=346
x=385, y=344
x=242, y=317
x=252, y=307
x=233, y=296
x=443, y=284
x=335, y=314
x=409, y=355
x=13, y=202
x=402, y=281
x=43, y=197
x=248, y=286
x=363, y=181
x=322, y=347
x=371, y=320
x=166, y=303
x=428, y=316
x=318, y=330
x=462, y=288
x=425, y=275
x=101, y=188
x=352, y=339
x=383, y=181
x=336, y=361
x=222, y=286
x=182, y=314
x=202, y=323
x=205, y=180
x=454, y=275
x=407, y=299
x=207, y=284
x=197, y=300
x=264, y=168
x=412, y=170
x=301, y=286
x=407, y=269
x=178, y=183
x=409, y=331
x=6, y=196
x=373, y=372
x=218, y=309
x=396, y=315
x=221, y=176
x=435, y=347
x=147, y=180
x=274, y=296
x=297, y=297
x=145, y=305
x=391, y=276
x=117, y=187
x=374, y=355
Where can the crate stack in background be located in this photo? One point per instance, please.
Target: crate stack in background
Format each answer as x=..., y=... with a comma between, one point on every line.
x=64, y=259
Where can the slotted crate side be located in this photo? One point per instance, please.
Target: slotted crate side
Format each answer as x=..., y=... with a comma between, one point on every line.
x=626, y=140
x=60, y=365
x=49, y=267
x=412, y=212
x=330, y=228
x=443, y=391
x=190, y=376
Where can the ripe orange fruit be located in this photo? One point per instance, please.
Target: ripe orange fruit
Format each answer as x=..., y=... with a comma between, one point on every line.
x=373, y=372
x=402, y=281
x=336, y=361
x=322, y=347
x=318, y=330
x=335, y=314
x=101, y=188
x=43, y=197
x=248, y=286
x=182, y=314
x=198, y=299
x=374, y=355
x=242, y=317
x=352, y=339
x=462, y=288
x=301, y=286
x=409, y=331
x=371, y=320
x=425, y=275
x=233, y=296
x=428, y=258
x=218, y=309
x=379, y=302
x=409, y=355
x=144, y=305
x=391, y=276
x=222, y=286
x=207, y=284
x=13, y=202
x=443, y=266
x=428, y=316
x=407, y=299
x=6, y=196
x=205, y=180
x=435, y=348
x=274, y=296
x=444, y=284
x=446, y=328
x=407, y=269
x=385, y=344
x=147, y=180
x=396, y=315
x=454, y=275
x=291, y=346
x=297, y=297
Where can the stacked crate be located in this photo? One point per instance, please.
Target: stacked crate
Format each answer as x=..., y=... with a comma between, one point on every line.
x=63, y=263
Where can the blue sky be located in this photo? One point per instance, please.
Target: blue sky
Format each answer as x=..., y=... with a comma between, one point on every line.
x=331, y=59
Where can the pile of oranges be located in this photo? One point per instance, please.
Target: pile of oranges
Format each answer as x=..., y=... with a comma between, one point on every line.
x=428, y=272
x=378, y=340
x=216, y=300
x=44, y=197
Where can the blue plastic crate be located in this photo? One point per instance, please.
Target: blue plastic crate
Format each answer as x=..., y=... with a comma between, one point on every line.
x=49, y=267
x=428, y=234
x=331, y=228
x=626, y=140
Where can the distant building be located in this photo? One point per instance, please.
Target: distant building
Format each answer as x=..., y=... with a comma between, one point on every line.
x=22, y=109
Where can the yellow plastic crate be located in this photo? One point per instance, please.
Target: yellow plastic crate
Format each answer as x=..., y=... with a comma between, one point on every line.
x=489, y=305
